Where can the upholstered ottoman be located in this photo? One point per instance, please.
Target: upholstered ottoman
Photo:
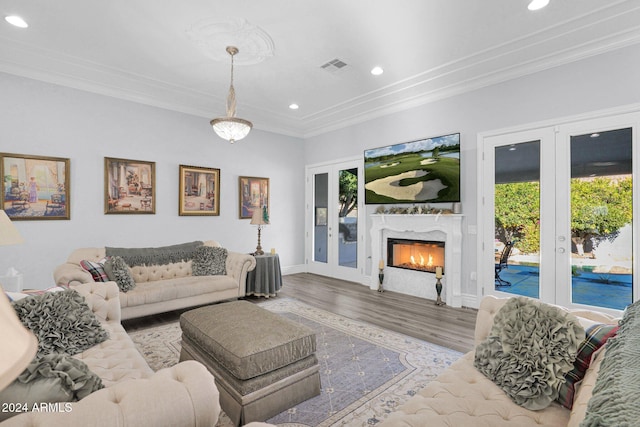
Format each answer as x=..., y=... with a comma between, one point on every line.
x=263, y=363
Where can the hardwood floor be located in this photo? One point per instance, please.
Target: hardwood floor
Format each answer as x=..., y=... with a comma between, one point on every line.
x=417, y=317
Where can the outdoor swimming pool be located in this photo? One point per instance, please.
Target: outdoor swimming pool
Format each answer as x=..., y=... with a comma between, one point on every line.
x=599, y=290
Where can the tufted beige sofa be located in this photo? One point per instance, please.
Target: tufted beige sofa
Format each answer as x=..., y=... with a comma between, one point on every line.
x=161, y=288
x=462, y=396
x=183, y=395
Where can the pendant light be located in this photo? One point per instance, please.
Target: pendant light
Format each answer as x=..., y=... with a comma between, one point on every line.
x=231, y=128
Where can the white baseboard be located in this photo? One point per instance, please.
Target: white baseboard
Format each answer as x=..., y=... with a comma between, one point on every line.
x=470, y=300
x=293, y=269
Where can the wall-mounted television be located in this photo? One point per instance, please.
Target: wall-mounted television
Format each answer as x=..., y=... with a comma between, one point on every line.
x=426, y=170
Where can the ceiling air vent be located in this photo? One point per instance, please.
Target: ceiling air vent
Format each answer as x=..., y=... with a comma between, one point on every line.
x=334, y=65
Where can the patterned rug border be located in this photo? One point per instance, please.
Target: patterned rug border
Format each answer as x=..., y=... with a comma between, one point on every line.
x=423, y=360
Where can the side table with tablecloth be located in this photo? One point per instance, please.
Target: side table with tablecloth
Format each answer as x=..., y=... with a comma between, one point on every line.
x=266, y=279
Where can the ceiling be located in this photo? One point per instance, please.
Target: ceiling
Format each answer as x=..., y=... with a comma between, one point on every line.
x=171, y=54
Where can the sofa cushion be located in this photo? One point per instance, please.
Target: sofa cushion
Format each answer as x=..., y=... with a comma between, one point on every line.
x=462, y=396
x=96, y=268
x=154, y=273
x=585, y=391
x=209, y=261
x=596, y=336
x=62, y=322
x=171, y=289
x=529, y=350
x=116, y=359
x=118, y=271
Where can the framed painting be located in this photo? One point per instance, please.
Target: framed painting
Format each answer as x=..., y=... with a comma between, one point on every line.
x=129, y=186
x=35, y=187
x=254, y=193
x=199, y=191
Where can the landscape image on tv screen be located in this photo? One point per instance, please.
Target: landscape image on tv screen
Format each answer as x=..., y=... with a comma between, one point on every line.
x=427, y=170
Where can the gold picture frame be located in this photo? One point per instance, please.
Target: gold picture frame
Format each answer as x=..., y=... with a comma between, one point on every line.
x=129, y=186
x=253, y=193
x=35, y=187
x=199, y=191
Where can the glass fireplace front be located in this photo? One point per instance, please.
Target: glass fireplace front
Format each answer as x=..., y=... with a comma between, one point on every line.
x=417, y=255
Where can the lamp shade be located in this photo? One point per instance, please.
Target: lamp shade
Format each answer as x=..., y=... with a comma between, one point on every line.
x=18, y=343
x=259, y=217
x=8, y=232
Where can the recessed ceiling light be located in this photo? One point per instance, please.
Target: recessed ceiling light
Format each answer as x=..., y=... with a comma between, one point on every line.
x=595, y=135
x=376, y=71
x=294, y=106
x=16, y=21
x=537, y=4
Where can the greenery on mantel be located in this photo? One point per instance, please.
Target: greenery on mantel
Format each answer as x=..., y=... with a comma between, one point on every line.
x=412, y=210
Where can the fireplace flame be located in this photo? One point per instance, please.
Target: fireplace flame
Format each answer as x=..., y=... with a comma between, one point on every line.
x=421, y=263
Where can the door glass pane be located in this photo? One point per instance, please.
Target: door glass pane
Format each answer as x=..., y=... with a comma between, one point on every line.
x=601, y=219
x=348, y=218
x=321, y=229
x=517, y=218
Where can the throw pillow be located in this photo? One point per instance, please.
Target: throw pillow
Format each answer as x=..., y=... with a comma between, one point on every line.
x=118, y=271
x=62, y=322
x=96, y=268
x=597, y=336
x=209, y=261
x=15, y=296
x=49, y=379
x=529, y=350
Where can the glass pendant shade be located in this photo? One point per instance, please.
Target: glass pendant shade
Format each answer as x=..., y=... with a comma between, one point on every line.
x=231, y=127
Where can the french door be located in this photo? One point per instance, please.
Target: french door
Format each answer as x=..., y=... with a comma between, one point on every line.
x=334, y=231
x=558, y=208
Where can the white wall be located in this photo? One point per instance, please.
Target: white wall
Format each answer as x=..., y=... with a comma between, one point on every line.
x=606, y=81
x=42, y=119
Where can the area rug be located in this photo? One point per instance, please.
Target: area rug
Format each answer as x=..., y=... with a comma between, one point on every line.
x=366, y=371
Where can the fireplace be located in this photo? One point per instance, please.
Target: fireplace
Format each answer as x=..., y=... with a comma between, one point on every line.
x=419, y=255
x=445, y=230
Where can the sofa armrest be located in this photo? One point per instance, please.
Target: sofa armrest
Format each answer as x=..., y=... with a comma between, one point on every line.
x=183, y=395
x=103, y=298
x=237, y=266
x=68, y=274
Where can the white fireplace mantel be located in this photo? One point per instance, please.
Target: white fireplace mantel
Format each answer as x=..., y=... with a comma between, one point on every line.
x=449, y=227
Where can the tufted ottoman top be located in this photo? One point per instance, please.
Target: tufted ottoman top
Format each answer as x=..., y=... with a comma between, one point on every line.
x=246, y=339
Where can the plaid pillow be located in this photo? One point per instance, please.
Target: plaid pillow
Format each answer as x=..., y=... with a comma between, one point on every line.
x=96, y=268
x=16, y=296
x=596, y=337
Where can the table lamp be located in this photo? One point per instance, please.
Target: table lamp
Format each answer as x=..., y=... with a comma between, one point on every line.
x=8, y=232
x=260, y=217
x=18, y=343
